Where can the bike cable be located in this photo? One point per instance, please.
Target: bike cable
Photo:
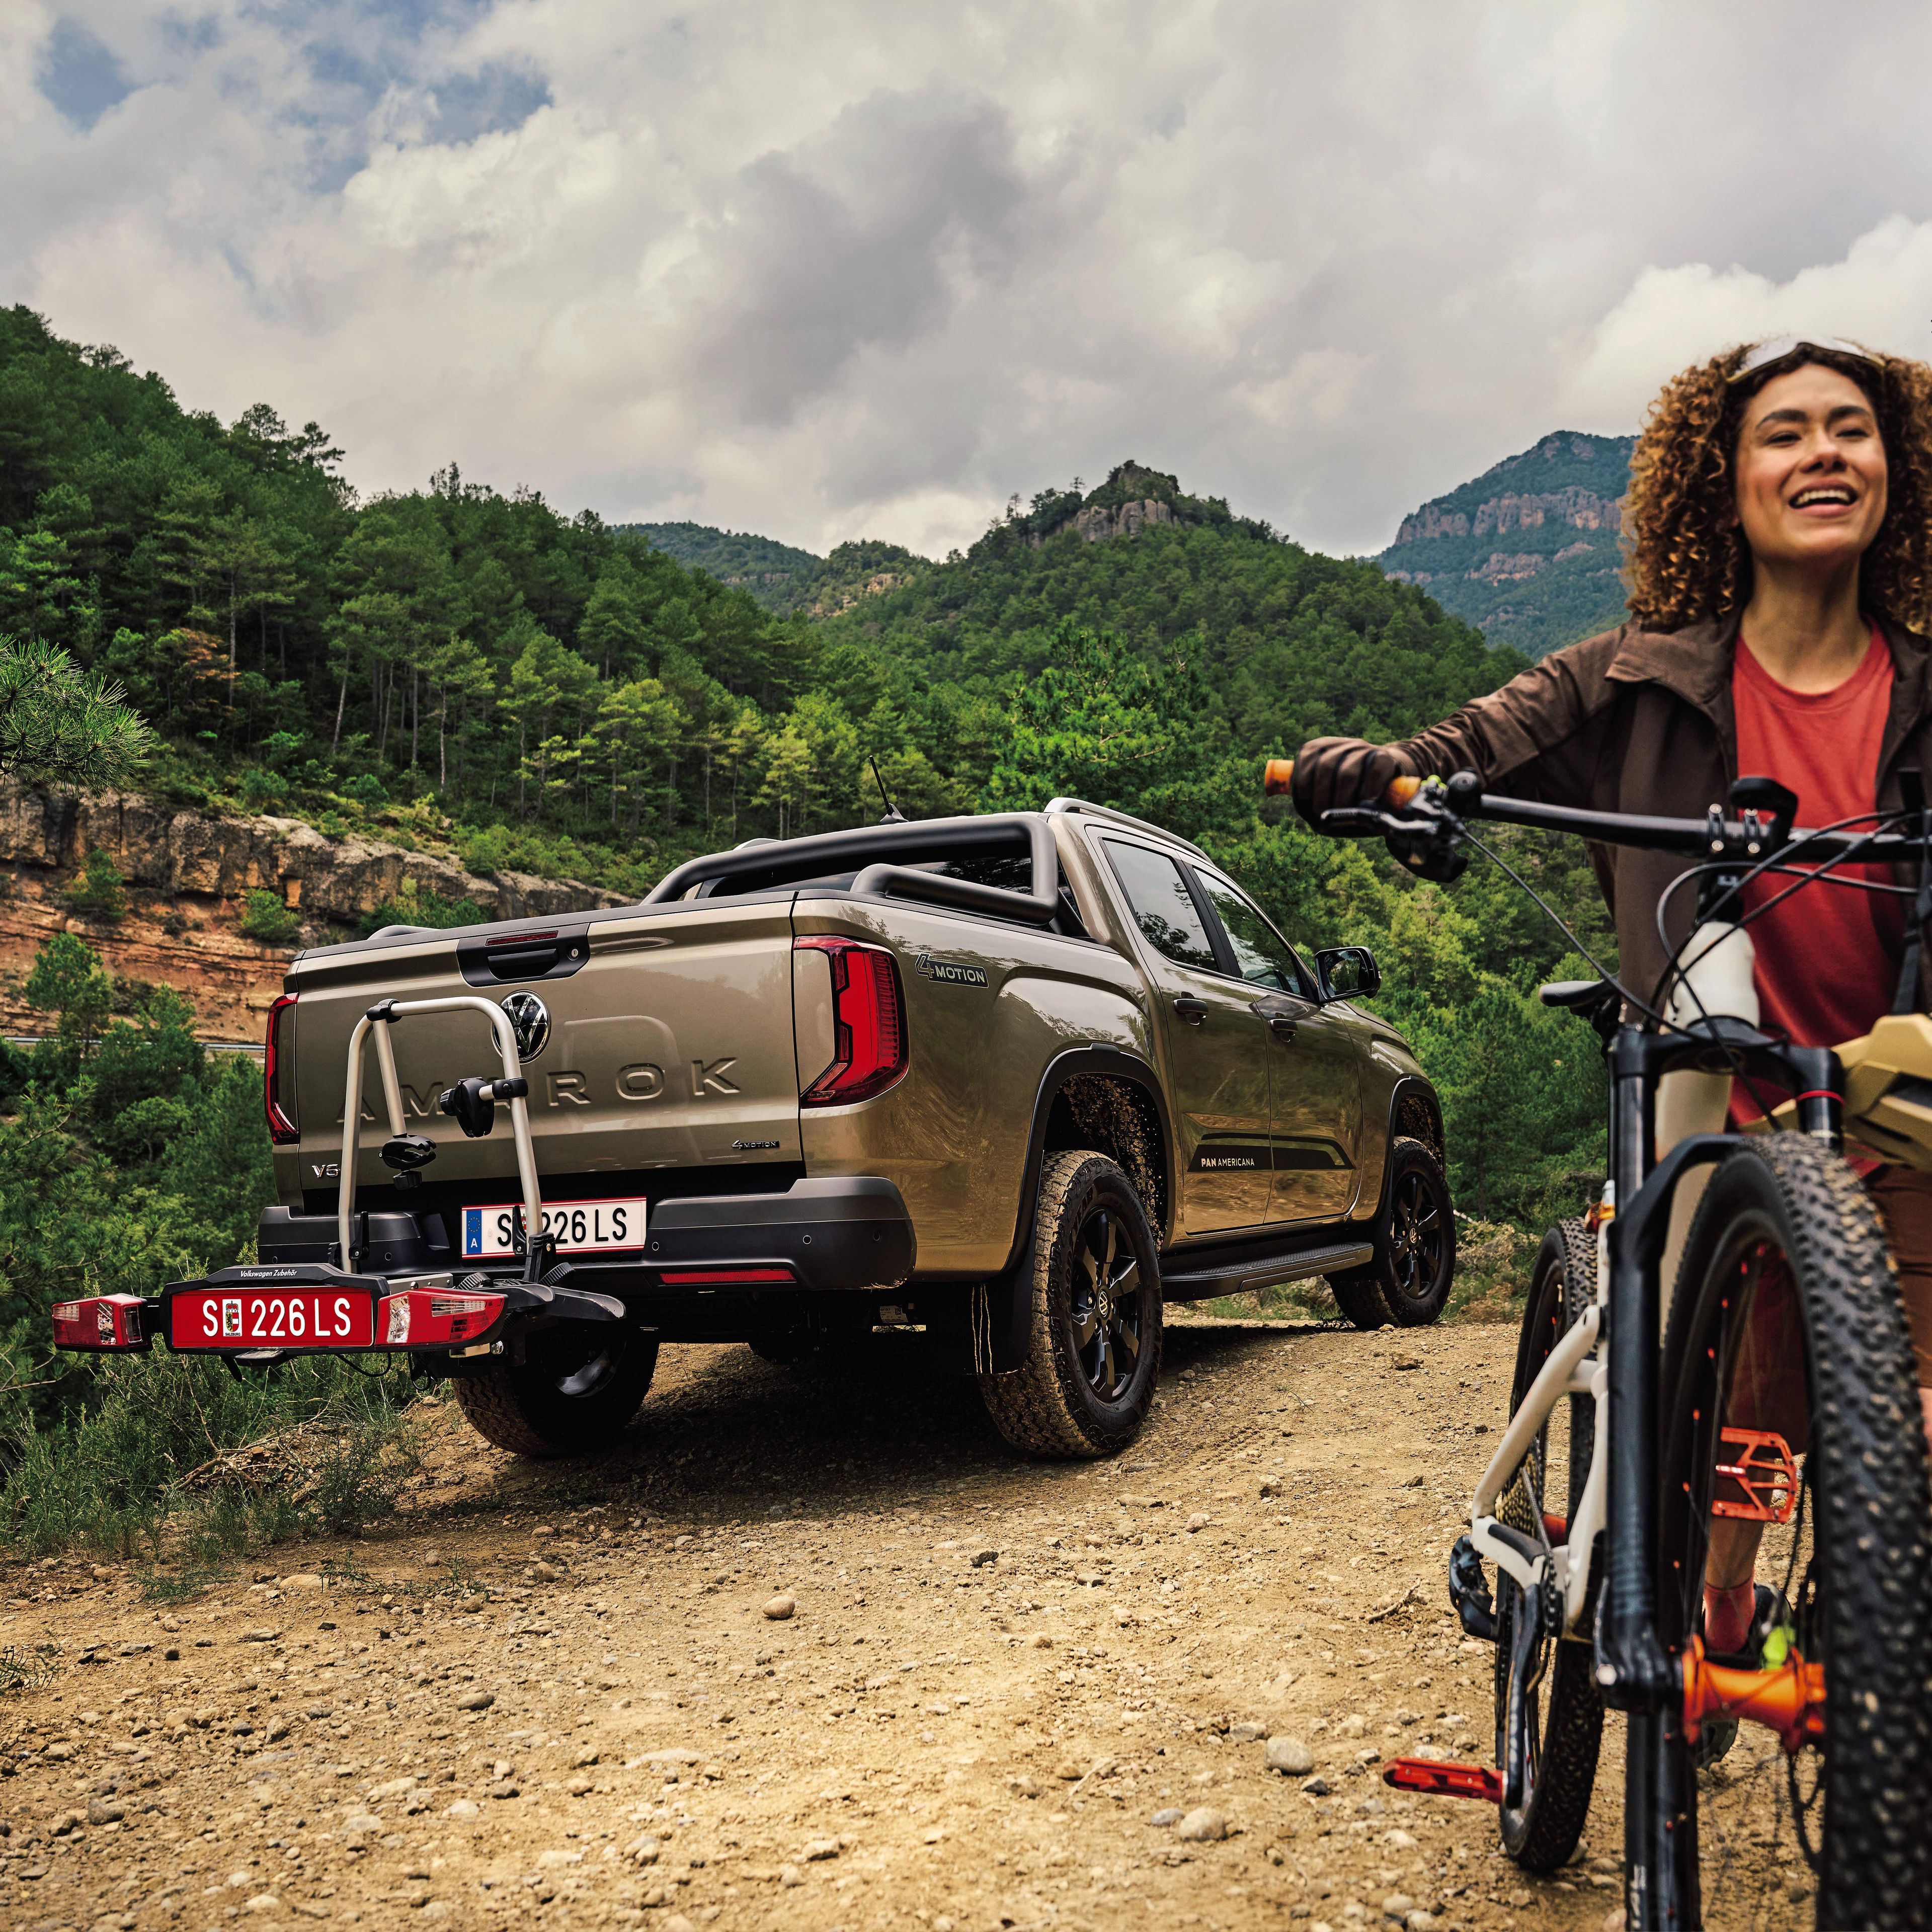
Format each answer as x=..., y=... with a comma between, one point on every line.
x=1609, y=978
x=1676, y=966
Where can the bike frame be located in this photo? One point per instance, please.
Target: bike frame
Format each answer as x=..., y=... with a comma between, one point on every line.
x=1612, y=1354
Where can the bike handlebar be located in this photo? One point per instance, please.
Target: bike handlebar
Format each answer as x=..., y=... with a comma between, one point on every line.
x=1410, y=808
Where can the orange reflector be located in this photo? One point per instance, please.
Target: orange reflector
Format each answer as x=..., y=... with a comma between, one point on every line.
x=1444, y=1779
x=1789, y=1700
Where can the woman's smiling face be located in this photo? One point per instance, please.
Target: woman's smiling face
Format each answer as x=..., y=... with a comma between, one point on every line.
x=1810, y=469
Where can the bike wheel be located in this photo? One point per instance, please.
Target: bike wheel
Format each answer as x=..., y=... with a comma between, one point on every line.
x=1549, y=1714
x=1787, y=1324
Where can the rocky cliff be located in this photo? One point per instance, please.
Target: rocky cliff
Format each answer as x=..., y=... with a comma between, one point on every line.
x=211, y=856
x=1528, y=551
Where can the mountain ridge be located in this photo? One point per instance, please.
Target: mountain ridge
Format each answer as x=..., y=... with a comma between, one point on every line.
x=1530, y=550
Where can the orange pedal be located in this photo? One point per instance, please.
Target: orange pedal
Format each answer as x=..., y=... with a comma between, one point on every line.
x=1765, y=1470
x=1444, y=1779
x=1789, y=1700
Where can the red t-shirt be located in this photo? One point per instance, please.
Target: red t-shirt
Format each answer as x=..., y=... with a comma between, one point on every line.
x=1828, y=958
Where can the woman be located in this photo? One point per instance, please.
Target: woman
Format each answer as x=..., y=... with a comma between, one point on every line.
x=1779, y=525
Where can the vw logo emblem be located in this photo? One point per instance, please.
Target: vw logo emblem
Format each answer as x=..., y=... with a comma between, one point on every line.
x=530, y=1021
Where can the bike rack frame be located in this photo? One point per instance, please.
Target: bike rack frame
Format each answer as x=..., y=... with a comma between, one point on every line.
x=379, y=1019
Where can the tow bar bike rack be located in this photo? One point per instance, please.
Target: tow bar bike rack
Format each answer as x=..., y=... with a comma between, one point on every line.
x=407, y=1153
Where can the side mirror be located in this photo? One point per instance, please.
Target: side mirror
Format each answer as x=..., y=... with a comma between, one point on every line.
x=1347, y=972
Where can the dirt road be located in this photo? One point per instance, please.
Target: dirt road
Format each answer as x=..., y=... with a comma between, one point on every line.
x=551, y=1694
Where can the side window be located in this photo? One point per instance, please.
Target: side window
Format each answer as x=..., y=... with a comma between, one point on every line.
x=1261, y=953
x=1163, y=907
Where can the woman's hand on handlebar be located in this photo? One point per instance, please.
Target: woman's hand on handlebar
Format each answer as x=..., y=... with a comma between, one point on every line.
x=1328, y=773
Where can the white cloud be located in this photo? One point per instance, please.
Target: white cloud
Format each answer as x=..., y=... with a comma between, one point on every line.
x=1879, y=293
x=863, y=269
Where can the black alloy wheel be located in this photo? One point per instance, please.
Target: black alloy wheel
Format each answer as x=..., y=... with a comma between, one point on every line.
x=1106, y=1304
x=1092, y=1312
x=1418, y=1234
x=1408, y=1281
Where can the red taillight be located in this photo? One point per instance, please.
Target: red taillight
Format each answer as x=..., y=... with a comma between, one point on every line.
x=867, y=1023
x=279, y=1105
x=99, y=1322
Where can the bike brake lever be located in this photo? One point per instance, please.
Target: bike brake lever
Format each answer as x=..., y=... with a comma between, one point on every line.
x=1359, y=821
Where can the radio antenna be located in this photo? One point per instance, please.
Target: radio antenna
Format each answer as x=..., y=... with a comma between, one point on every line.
x=893, y=814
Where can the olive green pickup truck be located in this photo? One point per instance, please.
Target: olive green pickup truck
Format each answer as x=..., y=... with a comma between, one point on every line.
x=1017, y=1080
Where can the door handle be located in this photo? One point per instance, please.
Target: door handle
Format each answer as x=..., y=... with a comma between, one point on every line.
x=1193, y=1011
x=1282, y=1027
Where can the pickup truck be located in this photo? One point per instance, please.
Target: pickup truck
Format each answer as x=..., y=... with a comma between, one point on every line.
x=1015, y=1079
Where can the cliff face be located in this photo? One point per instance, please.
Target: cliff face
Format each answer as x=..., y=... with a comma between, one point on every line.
x=1098, y=522
x=1528, y=551
x=1582, y=509
x=215, y=857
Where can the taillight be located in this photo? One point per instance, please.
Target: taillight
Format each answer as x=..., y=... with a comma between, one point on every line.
x=278, y=1098
x=867, y=1023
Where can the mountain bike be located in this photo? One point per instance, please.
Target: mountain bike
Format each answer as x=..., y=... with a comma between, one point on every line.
x=1776, y=1410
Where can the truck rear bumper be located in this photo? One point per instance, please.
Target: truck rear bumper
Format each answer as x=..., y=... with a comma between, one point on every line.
x=846, y=1233
x=841, y=1234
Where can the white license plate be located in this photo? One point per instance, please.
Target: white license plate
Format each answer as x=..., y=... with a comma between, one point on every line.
x=580, y=1226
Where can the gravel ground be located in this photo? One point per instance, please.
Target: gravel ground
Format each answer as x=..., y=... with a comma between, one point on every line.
x=1008, y=1694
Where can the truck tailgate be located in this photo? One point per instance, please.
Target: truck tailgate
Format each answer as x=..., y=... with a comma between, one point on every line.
x=661, y=1038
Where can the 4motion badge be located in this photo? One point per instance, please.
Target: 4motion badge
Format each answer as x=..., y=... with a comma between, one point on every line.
x=949, y=972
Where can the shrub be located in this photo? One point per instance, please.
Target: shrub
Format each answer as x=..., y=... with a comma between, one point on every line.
x=260, y=788
x=265, y=918
x=412, y=906
x=99, y=892
x=367, y=790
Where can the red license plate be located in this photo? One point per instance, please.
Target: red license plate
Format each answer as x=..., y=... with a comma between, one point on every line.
x=282, y=1317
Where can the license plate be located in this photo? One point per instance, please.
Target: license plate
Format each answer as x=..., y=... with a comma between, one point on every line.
x=286, y=1318
x=580, y=1226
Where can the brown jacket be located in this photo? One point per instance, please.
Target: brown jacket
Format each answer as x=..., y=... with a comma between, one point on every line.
x=1642, y=721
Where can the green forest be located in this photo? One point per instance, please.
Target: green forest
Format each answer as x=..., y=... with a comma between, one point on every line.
x=450, y=667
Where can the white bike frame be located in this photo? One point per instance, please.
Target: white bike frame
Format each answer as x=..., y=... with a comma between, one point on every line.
x=1572, y=1370
x=379, y=1019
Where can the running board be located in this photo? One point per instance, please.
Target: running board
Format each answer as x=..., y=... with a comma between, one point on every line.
x=1241, y=1277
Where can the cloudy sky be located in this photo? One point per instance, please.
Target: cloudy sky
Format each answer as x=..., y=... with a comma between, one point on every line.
x=858, y=268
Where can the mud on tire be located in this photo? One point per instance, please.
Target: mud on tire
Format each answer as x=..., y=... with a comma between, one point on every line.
x=573, y=1393
x=1093, y=1326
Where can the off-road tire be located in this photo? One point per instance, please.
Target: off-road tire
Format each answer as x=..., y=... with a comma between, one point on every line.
x=528, y=1407
x=1540, y=1834
x=1867, y=1615
x=1391, y=1288
x=1049, y=1406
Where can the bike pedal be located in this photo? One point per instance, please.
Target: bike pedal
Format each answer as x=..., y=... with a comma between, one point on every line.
x=1469, y=1591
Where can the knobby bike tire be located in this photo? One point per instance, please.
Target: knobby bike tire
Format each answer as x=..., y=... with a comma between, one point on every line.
x=1566, y=1713
x=1860, y=1572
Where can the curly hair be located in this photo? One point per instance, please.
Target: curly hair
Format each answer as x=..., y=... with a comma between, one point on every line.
x=1685, y=557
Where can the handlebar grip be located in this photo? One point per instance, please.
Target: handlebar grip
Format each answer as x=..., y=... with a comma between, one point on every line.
x=1278, y=776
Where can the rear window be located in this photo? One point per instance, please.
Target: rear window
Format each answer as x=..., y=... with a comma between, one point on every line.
x=1163, y=907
